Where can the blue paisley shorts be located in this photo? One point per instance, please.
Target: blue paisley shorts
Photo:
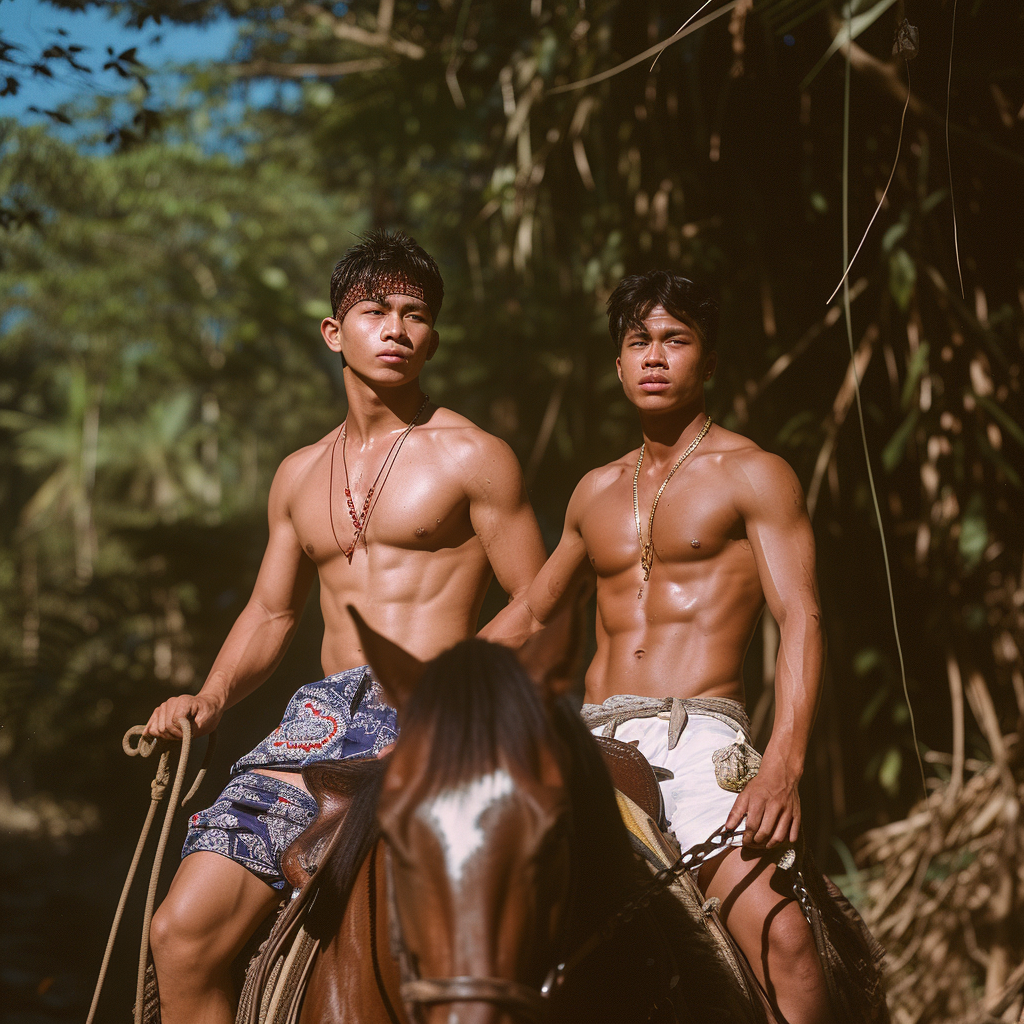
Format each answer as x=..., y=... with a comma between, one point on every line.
x=341, y=717
x=257, y=817
x=254, y=820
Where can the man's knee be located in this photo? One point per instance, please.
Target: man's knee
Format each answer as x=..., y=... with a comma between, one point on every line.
x=789, y=938
x=210, y=910
x=177, y=938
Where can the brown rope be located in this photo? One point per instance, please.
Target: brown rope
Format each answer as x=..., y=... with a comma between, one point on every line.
x=145, y=746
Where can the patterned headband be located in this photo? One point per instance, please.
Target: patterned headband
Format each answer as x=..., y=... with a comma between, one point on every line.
x=374, y=287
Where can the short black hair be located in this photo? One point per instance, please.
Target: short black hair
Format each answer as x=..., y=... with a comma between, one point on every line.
x=381, y=258
x=635, y=297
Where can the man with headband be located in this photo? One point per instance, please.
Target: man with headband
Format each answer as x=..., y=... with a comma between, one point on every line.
x=403, y=510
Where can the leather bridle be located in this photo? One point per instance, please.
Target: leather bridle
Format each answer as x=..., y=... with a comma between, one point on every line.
x=524, y=1001
x=521, y=1000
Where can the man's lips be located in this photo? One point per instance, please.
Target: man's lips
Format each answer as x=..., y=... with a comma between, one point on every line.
x=392, y=357
x=654, y=383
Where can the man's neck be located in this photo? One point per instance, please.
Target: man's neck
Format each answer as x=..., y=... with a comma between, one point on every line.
x=374, y=410
x=667, y=434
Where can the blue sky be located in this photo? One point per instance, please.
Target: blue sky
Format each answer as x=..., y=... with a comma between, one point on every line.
x=34, y=25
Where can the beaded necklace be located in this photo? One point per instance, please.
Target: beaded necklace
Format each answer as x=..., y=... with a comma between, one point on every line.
x=362, y=517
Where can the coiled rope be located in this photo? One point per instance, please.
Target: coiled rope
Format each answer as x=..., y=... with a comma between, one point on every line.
x=145, y=746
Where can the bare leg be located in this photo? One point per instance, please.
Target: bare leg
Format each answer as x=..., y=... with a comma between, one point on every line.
x=212, y=908
x=768, y=925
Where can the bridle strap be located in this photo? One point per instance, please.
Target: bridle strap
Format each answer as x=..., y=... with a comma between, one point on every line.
x=475, y=990
x=372, y=886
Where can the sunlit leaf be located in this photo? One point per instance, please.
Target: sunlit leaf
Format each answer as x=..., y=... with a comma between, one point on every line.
x=889, y=772
x=973, y=532
x=902, y=277
x=893, y=452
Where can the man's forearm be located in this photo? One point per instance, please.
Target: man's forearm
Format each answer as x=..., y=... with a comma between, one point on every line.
x=513, y=625
x=252, y=650
x=798, y=674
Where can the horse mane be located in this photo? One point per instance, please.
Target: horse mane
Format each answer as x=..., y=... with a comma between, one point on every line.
x=480, y=709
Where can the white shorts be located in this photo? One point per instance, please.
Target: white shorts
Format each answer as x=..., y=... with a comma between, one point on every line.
x=695, y=804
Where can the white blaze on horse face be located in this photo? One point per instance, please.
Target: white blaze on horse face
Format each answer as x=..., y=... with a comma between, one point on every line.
x=456, y=816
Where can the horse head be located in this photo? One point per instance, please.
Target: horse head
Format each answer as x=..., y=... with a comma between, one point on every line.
x=473, y=810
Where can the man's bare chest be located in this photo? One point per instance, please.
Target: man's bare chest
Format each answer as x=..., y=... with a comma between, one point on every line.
x=413, y=507
x=692, y=523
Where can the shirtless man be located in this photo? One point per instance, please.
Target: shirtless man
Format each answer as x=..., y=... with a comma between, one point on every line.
x=730, y=532
x=402, y=510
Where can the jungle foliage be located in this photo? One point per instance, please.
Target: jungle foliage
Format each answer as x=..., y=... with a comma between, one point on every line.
x=161, y=288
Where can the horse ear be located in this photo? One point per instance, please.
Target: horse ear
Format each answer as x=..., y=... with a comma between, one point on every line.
x=397, y=670
x=550, y=657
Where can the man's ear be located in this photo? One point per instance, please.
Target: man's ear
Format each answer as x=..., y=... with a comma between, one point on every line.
x=396, y=669
x=710, y=365
x=618, y=368
x=330, y=329
x=435, y=340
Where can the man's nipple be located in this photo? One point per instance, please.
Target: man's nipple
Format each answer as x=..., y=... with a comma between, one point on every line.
x=309, y=550
x=639, y=653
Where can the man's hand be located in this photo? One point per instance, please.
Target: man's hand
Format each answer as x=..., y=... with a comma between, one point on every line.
x=771, y=804
x=204, y=712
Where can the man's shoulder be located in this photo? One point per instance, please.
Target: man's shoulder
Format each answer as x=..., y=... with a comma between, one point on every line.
x=469, y=448
x=611, y=472
x=596, y=482
x=751, y=469
x=294, y=468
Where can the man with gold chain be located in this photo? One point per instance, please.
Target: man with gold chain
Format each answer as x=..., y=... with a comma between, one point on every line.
x=403, y=510
x=688, y=538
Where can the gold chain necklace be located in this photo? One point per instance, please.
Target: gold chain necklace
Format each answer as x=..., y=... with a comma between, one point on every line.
x=647, y=550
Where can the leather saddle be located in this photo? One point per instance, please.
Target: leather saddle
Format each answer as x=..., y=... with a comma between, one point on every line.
x=333, y=784
x=635, y=776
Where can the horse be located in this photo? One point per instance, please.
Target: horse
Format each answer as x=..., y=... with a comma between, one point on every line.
x=482, y=873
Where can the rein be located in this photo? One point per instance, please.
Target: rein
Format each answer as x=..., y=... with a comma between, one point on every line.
x=144, y=747
x=378, y=977
x=693, y=858
x=525, y=1001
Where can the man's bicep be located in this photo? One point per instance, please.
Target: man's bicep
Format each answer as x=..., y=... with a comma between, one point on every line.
x=781, y=537
x=503, y=519
x=569, y=568
x=286, y=572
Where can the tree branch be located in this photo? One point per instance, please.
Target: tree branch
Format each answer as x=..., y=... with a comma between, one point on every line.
x=274, y=69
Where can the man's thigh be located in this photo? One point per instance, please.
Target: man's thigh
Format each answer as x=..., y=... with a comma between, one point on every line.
x=763, y=916
x=213, y=906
